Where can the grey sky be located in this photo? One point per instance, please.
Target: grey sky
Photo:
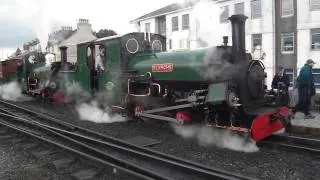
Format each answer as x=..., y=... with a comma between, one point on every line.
x=23, y=20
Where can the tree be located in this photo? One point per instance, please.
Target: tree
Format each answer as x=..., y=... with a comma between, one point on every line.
x=18, y=51
x=104, y=33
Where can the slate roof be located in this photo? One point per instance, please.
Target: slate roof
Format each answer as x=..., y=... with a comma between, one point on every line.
x=167, y=9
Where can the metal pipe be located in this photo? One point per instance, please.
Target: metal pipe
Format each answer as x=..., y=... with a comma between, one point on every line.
x=63, y=51
x=238, y=36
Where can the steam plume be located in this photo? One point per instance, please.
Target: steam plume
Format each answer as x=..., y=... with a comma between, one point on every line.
x=206, y=136
x=218, y=67
x=206, y=19
x=12, y=92
x=91, y=112
x=75, y=92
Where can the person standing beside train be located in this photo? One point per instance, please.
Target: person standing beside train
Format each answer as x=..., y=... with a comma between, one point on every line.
x=99, y=65
x=306, y=89
x=98, y=68
x=281, y=82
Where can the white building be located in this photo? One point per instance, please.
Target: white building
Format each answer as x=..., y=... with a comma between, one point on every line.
x=70, y=38
x=172, y=21
x=56, y=38
x=259, y=27
x=198, y=24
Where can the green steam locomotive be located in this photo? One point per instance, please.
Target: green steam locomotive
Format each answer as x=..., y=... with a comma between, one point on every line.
x=135, y=75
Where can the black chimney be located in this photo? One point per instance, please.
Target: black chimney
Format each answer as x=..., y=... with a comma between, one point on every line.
x=225, y=40
x=238, y=36
x=63, y=50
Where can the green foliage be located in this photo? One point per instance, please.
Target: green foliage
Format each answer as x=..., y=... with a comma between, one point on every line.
x=104, y=33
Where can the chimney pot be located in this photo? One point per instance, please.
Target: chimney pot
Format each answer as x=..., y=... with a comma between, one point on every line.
x=238, y=36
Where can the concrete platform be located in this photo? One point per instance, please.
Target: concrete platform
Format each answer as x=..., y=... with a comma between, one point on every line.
x=301, y=125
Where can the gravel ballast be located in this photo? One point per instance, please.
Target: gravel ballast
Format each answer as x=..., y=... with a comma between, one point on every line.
x=264, y=164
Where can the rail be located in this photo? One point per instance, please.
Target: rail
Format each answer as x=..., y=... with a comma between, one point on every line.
x=293, y=142
x=128, y=157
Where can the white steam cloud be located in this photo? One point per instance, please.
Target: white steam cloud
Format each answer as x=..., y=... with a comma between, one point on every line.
x=206, y=19
x=37, y=11
x=91, y=112
x=207, y=136
x=12, y=92
x=218, y=67
x=74, y=92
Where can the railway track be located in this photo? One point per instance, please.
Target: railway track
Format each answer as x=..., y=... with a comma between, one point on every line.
x=124, y=157
x=293, y=142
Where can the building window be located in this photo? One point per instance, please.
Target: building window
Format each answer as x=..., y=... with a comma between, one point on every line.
x=162, y=26
x=316, y=77
x=287, y=8
x=175, y=24
x=291, y=75
x=239, y=8
x=224, y=14
x=185, y=22
x=256, y=40
x=315, y=5
x=315, y=39
x=287, y=42
x=147, y=27
x=255, y=9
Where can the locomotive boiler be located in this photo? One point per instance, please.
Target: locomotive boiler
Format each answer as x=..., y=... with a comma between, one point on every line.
x=221, y=85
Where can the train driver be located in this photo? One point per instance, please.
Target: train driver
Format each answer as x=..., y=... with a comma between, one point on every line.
x=99, y=65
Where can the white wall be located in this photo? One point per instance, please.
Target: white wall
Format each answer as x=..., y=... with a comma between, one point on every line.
x=83, y=33
x=176, y=36
x=152, y=22
x=306, y=20
x=264, y=25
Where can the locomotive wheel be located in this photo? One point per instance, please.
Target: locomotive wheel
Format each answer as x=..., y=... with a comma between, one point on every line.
x=138, y=108
x=131, y=109
x=223, y=118
x=183, y=118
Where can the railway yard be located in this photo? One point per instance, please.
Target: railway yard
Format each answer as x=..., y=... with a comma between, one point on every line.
x=85, y=105
x=60, y=146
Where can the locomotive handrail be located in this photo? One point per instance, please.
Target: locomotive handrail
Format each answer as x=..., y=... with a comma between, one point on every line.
x=147, y=54
x=68, y=71
x=138, y=95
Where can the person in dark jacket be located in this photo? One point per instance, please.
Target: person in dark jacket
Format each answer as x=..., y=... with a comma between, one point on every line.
x=306, y=89
x=281, y=82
